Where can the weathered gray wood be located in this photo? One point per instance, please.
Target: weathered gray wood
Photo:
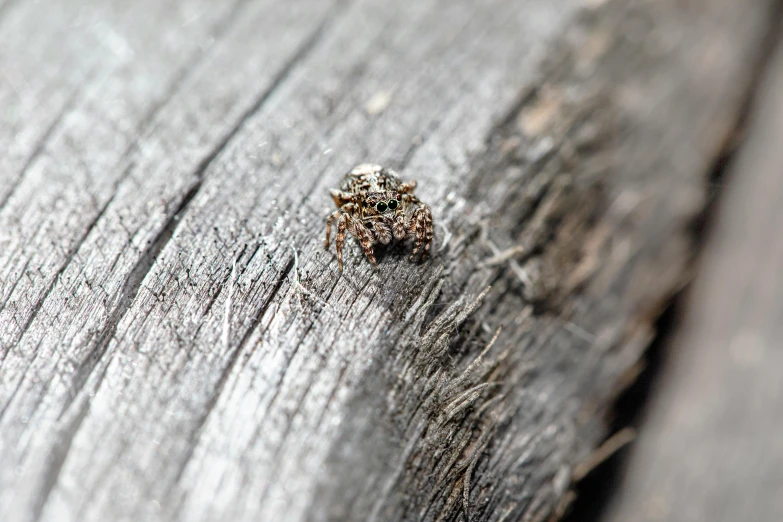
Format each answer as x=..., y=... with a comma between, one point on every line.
x=710, y=448
x=177, y=345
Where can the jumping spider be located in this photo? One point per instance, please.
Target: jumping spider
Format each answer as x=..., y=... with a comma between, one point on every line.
x=374, y=206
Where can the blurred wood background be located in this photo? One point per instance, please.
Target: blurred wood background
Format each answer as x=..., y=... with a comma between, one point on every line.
x=710, y=445
x=176, y=344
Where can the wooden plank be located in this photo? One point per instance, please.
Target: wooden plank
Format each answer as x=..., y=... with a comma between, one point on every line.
x=177, y=345
x=710, y=447
x=83, y=224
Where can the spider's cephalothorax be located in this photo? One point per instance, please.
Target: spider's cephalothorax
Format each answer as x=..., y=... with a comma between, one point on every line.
x=374, y=206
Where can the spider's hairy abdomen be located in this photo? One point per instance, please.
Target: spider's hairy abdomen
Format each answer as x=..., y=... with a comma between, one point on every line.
x=367, y=178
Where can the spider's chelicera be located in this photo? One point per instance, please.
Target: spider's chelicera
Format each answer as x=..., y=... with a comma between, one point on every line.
x=374, y=206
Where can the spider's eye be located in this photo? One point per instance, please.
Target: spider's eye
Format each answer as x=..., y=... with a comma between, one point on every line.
x=392, y=204
x=381, y=206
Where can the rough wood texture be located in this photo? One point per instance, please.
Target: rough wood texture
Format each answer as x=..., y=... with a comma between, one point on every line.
x=710, y=448
x=177, y=345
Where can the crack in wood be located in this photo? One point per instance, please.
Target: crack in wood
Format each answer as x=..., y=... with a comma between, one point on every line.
x=129, y=292
x=50, y=287
x=234, y=356
x=151, y=254
x=144, y=125
x=56, y=459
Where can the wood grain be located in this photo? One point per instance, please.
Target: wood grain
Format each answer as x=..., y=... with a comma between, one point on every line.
x=177, y=345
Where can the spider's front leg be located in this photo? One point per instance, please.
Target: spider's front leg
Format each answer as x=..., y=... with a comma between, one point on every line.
x=345, y=209
x=342, y=225
x=341, y=198
x=334, y=215
x=408, y=187
x=346, y=223
x=420, y=227
x=367, y=240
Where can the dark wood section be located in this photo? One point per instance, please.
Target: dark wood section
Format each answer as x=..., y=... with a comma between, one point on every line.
x=710, y=447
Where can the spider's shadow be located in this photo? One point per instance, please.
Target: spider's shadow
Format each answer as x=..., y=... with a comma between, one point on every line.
x=394, y=251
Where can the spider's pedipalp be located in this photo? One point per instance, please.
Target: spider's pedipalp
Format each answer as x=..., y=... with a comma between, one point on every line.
x=382, y=231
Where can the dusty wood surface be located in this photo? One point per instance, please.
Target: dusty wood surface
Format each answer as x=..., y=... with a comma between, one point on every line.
x=177, y=345
x=710, y=447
